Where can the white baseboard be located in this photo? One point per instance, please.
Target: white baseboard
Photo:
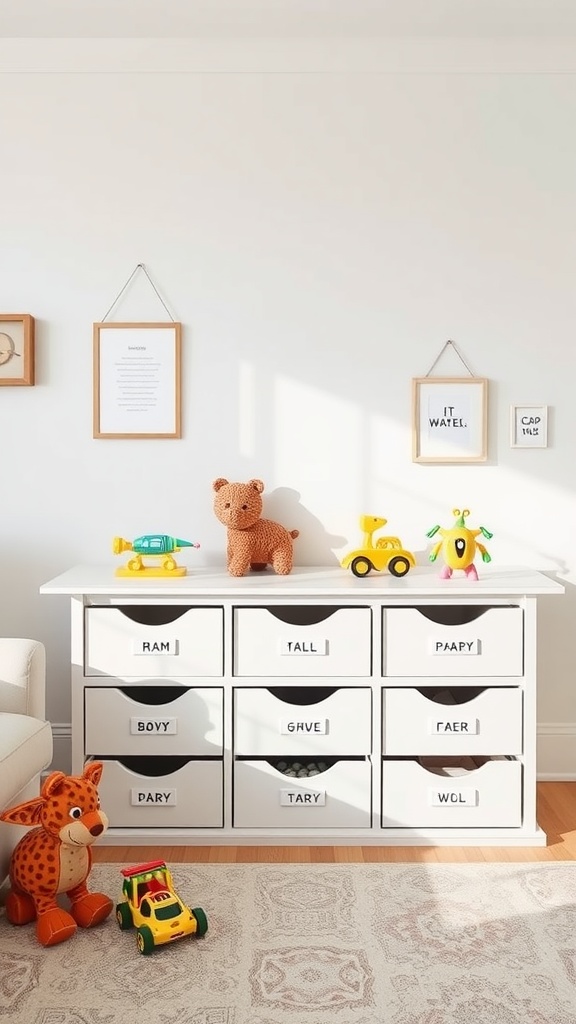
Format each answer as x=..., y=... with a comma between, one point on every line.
x=556, y=750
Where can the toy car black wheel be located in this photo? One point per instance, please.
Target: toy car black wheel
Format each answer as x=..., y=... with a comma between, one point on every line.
x=361, y=566
x=145, y=939
x=201, y=920
x=124, y=916
x=399, y=566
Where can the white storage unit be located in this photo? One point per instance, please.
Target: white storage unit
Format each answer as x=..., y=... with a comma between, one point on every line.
x=314, y=708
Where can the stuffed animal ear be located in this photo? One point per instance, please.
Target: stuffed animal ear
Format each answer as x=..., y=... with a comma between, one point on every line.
x=93, y=771
x=257, y=485
x=220, y=482
x=28, y=813
x=52, y=784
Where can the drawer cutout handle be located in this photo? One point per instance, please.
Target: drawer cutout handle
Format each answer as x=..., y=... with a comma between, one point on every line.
x=303, y=615
x=455, y=615
x=155, y=615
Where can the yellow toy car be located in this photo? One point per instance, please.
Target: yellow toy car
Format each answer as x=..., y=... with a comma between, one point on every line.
x=387, y=553
x=153, y=908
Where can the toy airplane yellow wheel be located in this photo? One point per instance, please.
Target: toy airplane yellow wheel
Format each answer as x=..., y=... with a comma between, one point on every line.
x=169, y=564
x=399, y=566
x=201, y=921
x=134, y=564
x=361, y=566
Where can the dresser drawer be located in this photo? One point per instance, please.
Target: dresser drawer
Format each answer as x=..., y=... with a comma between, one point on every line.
x=153, y=720
x=162, y=792
x=302, y=640
x=488, y=796
x=303, y=720
x=453, y=640
x=459, y=721
x=154, y=641
x=339, y=797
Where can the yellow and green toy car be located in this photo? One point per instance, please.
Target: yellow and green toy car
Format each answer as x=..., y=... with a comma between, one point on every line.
x=386, y=553
x=153, y=908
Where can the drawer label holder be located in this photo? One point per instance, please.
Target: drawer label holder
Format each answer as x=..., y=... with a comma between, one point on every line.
x=453, y=726
x=466, y=797
x=155, y=647
x=303, y=797
x=153, y=726
x=140, y=797
x=306, y=727
x=458, y=647
x=312, y=648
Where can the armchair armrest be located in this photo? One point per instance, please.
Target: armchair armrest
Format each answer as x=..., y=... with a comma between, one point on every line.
x=22, y=677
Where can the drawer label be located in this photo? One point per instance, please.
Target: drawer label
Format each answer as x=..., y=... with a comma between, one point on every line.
x=153, y=726
x=307, y=727
x=453, y=726
x=453, y=797
x=152, y=797
x=302, y=797
x=314, y=647
x=459, y=647
x=155, y=647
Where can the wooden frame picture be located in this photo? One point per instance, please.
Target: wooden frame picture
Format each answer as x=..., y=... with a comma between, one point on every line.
x=528, y=426
x=449, y=419
x=137, y=380
x=16, y=349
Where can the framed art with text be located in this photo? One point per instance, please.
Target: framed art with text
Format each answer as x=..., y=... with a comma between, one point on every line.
x=528, y=426
x=449, y=419
x=137, y=380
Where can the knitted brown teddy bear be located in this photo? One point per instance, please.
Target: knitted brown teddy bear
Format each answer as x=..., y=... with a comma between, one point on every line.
x=253, y=542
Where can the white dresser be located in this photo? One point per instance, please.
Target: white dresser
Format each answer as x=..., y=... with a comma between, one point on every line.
x=315, y=708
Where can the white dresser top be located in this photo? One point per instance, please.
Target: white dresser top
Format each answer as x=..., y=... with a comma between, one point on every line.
x=311, y=581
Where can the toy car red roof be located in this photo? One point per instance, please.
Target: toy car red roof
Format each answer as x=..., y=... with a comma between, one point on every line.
x=141, y=869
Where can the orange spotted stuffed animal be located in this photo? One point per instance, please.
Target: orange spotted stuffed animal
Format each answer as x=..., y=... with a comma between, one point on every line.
x=253, y=543
x=55, y=858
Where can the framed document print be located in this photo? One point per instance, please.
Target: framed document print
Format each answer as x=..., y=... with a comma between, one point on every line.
x=449, y=419
x=528, y=426
x=137, y=385
x=16, y=349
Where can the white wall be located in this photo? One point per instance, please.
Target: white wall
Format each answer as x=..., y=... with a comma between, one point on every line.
x=320, y=236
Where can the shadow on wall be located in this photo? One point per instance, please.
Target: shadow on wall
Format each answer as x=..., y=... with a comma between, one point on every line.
x=314, y=546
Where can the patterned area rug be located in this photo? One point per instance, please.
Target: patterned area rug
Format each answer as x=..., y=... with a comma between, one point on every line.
x=319, y=944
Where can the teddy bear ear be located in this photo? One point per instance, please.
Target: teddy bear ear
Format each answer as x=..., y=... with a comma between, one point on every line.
x=257, y=485
x=220, y=482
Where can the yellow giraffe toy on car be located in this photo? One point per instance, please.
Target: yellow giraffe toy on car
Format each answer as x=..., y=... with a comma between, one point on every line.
x=387, y=553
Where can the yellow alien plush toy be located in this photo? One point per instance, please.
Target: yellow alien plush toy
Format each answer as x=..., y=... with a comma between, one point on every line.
x=458, y=546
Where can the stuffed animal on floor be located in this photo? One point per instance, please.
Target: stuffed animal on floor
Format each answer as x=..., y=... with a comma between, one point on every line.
x=55, y=858
x=253, y=543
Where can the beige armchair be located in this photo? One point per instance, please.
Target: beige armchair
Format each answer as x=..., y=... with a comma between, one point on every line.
x=25, y=735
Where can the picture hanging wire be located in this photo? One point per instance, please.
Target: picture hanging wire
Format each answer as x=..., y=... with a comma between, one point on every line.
x=458, y=353
x=139, y=266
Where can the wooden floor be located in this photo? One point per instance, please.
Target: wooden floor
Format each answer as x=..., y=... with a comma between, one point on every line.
x=556, y=816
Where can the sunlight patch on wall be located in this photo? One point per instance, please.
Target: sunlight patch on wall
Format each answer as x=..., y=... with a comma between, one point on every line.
x=246, y=410
x=319, y=449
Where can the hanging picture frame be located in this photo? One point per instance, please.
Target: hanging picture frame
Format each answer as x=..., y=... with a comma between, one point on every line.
x=528, y=426
x=137, y=380
x=16, y=350
x=449, y=419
